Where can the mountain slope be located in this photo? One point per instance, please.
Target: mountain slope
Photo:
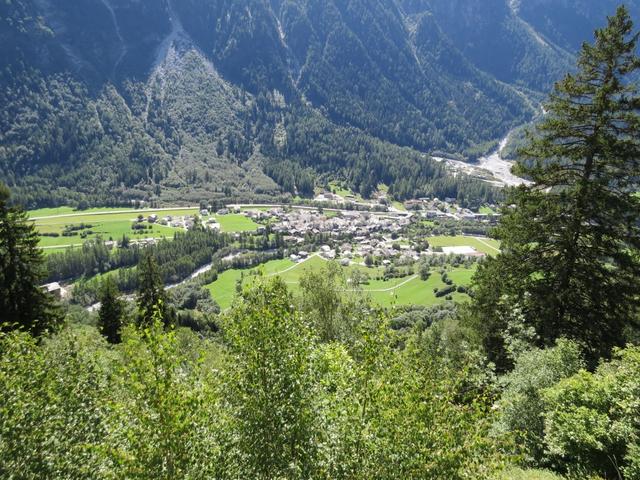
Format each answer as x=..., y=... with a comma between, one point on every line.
x=117, y=100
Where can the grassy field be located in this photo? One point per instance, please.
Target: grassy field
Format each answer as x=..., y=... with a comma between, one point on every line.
x=398, y=291
x=236, y=223
x=486, y=210
x=105, y=215
x=399, y=206
x=106, y=230
x=481, y=244
x=108, y=223
x=50, y=250
x=339, y=189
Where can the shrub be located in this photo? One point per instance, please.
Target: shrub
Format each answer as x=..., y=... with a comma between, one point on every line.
x=445, y=291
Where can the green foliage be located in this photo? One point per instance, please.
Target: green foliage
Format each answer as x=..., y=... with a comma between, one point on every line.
x=152, y=298
x=273, y=394
x=591, y=419
x=519, y=474
x=332, y=304
x=347, y=153
x=268, y=400
x=165, y=417
x=111, y=316
x=178, y=256
x=522, y=407
x=408, y=422
x=23, y=303
x=52, y=409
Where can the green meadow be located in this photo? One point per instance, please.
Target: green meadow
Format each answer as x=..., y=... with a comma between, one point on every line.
x=236, y=223
x=486, y=210
x=481, y=244
x=113, y=224
x=410, y=290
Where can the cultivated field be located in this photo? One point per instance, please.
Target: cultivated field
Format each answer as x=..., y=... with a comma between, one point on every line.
x=114, y=223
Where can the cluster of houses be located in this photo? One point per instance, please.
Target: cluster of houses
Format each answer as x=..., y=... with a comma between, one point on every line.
x=428, y=207
x=368, y=234
x=436, y=208
x=185, y=222
x=385, y=249
x=298, y=223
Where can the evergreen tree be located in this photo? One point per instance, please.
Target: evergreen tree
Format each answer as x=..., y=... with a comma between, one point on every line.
x=571, y=240
x=152, y=298
x=111, y=315
x=23, y=303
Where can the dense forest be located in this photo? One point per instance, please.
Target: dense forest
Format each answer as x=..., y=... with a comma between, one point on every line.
x=196, y=100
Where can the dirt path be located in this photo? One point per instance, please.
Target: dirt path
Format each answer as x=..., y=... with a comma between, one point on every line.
x=379, y=290
x=487, y=244
x=400, y=285
x=288, y=269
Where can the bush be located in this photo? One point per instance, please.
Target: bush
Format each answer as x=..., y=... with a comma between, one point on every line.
x=445, y=291
x=522, y=406
x=591, y=419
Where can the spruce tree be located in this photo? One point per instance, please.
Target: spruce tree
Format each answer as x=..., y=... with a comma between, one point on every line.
x=111, y=314
x=570, y=261
x=24, y=304
x=152, y=297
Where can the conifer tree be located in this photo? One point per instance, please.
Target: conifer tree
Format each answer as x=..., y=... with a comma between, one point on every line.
x=111, y=314
x=152, y=297
x=570, y=257
x=23, y=303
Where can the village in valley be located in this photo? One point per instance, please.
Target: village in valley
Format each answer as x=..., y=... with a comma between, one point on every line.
x=389, y=244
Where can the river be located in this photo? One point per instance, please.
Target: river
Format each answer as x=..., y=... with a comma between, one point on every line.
x=501, y=168
x=491, y=168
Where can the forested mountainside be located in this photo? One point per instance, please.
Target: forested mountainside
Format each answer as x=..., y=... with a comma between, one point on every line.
x=106, y=101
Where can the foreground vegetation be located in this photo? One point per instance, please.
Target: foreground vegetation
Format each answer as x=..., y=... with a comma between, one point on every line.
x=323, y=383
